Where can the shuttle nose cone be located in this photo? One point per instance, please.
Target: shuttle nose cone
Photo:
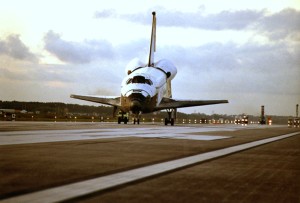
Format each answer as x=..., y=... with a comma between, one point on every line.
x=135, y=106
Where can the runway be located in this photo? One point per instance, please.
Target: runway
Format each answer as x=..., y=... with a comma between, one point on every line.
x=40, y=136
x=92, y=165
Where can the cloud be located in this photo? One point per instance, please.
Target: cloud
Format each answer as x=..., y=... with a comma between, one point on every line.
x=248, y=75
x=13, y=47
x=107, y=13
x=233, y=20
x=75, y=52
x=287, y=19
x=35, y=73
x=248, y=68
x=274, y=25
x=282, y=24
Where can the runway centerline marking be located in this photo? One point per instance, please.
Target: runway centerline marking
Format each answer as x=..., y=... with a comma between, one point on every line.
x=86, y=187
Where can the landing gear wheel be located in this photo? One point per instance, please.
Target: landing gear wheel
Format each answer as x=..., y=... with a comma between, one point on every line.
x=166, y=121
x=172, y=121
x=122, y=117
x=136, y=121
x=170, y=118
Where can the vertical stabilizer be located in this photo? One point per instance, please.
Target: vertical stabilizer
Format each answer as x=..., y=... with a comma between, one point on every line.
x=153, y=41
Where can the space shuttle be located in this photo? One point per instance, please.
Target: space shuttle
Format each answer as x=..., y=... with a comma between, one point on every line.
x=147, y=88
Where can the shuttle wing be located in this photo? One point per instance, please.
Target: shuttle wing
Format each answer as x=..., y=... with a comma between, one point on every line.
x=167, y=103
x=113, y=101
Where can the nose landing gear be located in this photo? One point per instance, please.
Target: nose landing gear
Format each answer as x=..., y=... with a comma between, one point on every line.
x=171, y=116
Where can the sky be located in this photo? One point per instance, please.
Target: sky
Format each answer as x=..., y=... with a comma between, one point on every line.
x=245, y=51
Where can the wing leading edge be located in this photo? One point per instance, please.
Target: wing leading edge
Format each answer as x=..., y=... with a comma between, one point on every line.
x=167, y=103
x=113, y=101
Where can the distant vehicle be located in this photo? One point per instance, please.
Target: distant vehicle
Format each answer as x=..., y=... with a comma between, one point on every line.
x=269, y=120
x=290, y=122
x=147, y=88
x=294, y=122
x=242, y=119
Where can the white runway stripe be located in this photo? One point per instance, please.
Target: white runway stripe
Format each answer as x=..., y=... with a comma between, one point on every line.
x=94, y=185
x=42, y=136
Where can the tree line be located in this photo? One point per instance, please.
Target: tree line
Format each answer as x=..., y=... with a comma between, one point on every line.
x=63, y=110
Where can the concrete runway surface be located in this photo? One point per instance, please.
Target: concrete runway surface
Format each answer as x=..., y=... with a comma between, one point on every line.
x=98, y=162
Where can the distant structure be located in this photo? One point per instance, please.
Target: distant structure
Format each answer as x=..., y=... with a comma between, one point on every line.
x=262, y=120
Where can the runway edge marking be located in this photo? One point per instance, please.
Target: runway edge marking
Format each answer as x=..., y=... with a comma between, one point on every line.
x=86, y=187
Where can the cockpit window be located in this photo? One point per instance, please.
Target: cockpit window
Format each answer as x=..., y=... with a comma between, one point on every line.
x=149, y=82
x=140, y=80
x=129, y=81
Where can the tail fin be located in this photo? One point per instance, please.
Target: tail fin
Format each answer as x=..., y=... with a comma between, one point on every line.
x=153, y=41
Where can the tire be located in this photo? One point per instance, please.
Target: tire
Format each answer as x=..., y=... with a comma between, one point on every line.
x=172, y=121
x=166, y=121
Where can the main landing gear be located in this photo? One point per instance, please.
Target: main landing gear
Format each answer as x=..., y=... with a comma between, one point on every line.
x=123, y=117
x=136, y=121
x=171, y=116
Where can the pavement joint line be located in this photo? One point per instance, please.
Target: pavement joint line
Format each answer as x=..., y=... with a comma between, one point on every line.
x=70, y=191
